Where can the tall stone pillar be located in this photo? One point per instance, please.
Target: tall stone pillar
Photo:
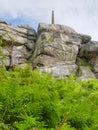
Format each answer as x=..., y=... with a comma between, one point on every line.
x=52, y=18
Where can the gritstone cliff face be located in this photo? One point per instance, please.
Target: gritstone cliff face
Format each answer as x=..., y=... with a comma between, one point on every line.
x=56, y=49
x=17, y=43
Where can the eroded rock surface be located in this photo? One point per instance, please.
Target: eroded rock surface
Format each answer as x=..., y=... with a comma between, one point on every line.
x=86, y=73
x=57, y=49
x=17, y=43
x=54, y=49
x=90, y=51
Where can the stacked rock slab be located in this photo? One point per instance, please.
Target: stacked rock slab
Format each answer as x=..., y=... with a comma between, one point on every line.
x=16, y=43
x=56, y=49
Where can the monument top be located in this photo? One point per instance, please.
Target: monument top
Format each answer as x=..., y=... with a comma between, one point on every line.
x=52, y=18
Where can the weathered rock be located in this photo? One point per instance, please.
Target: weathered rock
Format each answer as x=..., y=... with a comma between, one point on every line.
x=17, y=35
x=96, y=75
x=60, y=69
x=54, y=47
x=14, y=55
x=30, y=45
x=4, y=56
x=18, y=43
x=90, y=51
x=1, y=21
x=85, y=73
x=18, y=55
x=53, y=52
x=94, y=62
x=55, y=28
x=85, y=38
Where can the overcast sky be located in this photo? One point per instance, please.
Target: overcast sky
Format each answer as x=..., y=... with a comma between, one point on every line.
x=82, y=15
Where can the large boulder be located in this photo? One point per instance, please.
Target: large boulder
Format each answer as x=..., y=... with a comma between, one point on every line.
x=18, y=55
x=60, y=69
x=85, y=38
x=12, y=56
x=56, y=49
x=18, y=35
x=17, y=43
x=85, y=73
x=4, y=57
x=55, y=28
x=90, y=51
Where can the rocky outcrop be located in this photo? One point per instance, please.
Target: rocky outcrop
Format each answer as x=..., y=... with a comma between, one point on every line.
x=90, y=52
x=17, y=43
x=56, y=49
x=20, y=35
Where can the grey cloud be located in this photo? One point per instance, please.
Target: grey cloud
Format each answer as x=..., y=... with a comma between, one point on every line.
x=79, y=14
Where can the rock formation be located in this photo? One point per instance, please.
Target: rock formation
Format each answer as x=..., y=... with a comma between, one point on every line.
x=17, y=43
x=57, y=49
x=90, y=52
x=54, y=48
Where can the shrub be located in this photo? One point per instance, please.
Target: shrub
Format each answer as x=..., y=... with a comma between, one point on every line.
x=33, y=100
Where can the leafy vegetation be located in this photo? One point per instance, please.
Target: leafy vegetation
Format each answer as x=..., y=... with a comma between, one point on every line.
x=31, y=100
